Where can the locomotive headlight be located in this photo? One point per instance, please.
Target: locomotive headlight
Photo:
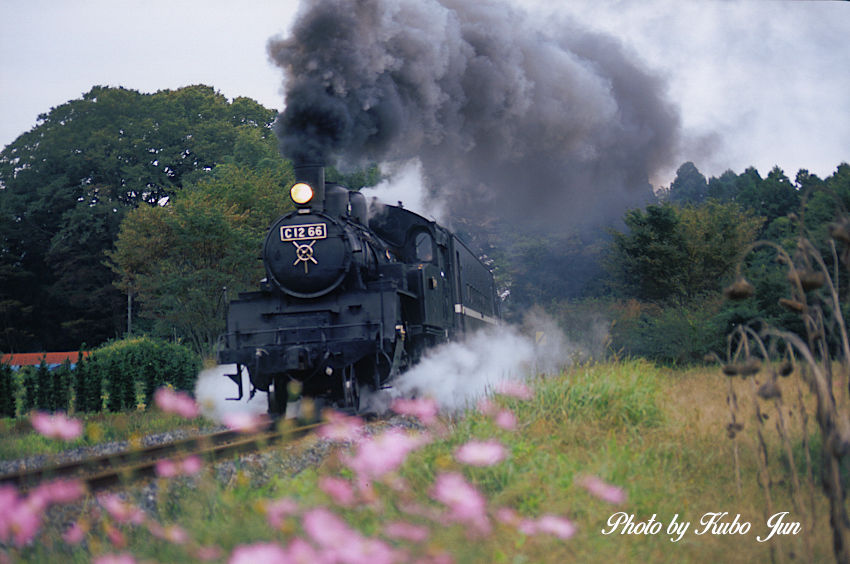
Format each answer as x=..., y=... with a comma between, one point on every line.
x=301, y=193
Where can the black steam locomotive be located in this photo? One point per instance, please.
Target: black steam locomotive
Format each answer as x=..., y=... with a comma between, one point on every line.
x=354, y=294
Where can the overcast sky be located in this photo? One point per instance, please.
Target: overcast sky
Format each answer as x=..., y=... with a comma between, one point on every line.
x=757, y=83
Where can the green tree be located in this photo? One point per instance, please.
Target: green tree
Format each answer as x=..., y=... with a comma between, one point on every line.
x=689, y=187
x=646, y=262
x=194, y=248
x=66, y=184
x=772, y=197
x=676, y=255
x=723, y=188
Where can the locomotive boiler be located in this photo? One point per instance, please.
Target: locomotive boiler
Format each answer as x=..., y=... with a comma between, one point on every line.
x=354, y=294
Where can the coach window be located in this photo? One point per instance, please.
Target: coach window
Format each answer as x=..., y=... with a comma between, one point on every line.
x=424, y=247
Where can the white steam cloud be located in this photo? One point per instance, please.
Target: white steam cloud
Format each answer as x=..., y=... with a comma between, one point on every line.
x=405, y=183
x=458, y=373
x=213, y=388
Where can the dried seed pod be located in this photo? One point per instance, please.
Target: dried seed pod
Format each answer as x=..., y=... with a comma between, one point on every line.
x=809, y=279
x=749, y=368
x=739, y=290
x=786, y=368
x=840, y=231
x=769, y=390
x=793, y=305
x=733, y=429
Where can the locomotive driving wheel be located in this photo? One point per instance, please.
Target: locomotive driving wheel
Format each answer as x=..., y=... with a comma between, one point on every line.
x=278, y=396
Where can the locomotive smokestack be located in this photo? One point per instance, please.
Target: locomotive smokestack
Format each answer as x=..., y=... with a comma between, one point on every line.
x=312, y=174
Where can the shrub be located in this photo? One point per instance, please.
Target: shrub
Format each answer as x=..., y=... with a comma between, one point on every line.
x=8, y=391
x=673, y=334
x=132, y=367
x=87, y=387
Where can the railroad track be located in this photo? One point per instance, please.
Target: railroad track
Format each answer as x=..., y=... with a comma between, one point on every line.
x=104, y=471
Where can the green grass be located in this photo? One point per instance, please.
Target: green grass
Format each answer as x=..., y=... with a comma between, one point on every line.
x=658, y=433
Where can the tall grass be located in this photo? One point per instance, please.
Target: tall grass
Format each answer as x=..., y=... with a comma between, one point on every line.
x=803, y=384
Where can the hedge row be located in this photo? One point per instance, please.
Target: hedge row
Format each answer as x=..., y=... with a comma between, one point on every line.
x=117, y=376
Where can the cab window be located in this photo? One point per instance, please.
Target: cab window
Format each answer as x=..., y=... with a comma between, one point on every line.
x=424, y=247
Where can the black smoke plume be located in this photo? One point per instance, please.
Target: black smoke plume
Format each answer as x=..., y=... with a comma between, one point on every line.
x=507, y=114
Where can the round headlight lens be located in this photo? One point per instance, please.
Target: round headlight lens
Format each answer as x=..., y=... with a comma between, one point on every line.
x=301, y=193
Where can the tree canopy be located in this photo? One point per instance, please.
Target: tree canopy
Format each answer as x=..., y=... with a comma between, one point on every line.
x=167, y=196
x=66, y=184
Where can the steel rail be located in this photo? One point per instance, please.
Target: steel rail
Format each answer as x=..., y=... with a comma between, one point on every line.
x=103, y=471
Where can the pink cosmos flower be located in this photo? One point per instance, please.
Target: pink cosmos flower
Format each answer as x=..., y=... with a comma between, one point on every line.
x=507, y=516
x=8, y=499
x=527, y=526
x=480, y=453
x=327, y=529
x=56, y=426
x=406, y=531
x=208, y=553
x=341, y=427
x=300, y=551
x=176, y=534
x=465, y=503
x=168, y=468
x=438, y=558
x=602, y=490
x=340, y=490
x=261, y=552
x=244, y=422
x=363, y=550
x=514, y=388
x=424, y=409
x=487, y=406
x=384, y=453
x=114, y=559
x=57, y=491
x=181, y=403
x=506, y=420
x=74, y=534
x=121, y=511
x=23, y=522
x=341, y=543
x=559, y=526
x=192, y=465
x=172, y=533
x=115, y=536
x=549, y=524
x=279, y=509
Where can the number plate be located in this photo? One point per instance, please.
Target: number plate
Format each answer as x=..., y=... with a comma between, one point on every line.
x=303, y=232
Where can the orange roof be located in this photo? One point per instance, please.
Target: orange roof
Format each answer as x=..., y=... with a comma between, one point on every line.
x=34, y=359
